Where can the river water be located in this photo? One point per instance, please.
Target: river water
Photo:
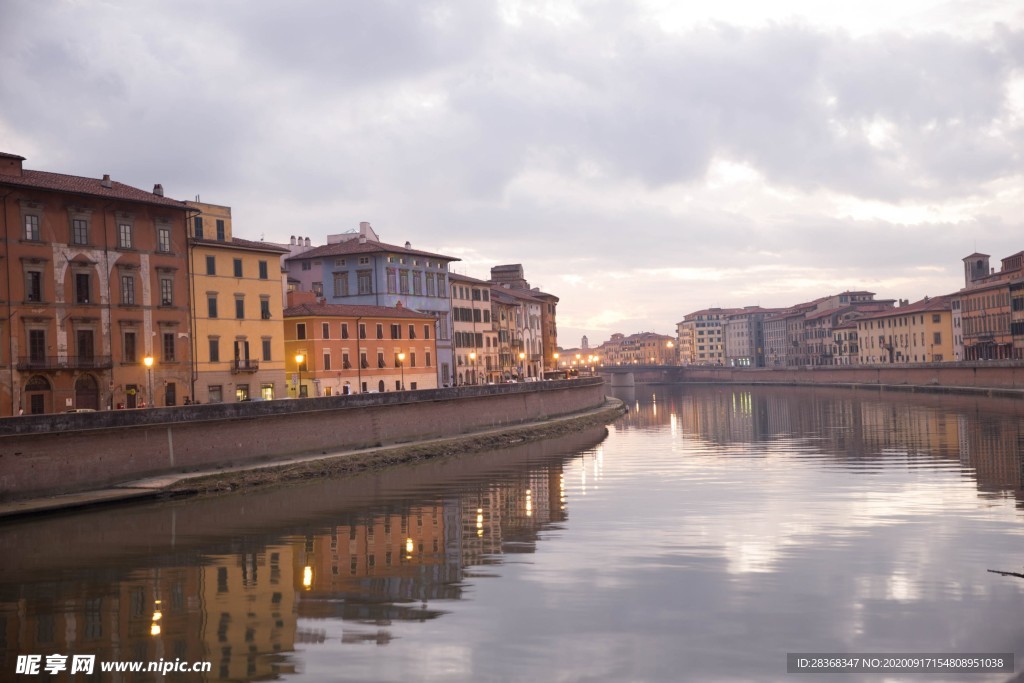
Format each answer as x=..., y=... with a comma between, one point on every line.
x=702, y=537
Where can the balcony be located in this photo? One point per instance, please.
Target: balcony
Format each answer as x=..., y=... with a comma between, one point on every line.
x=64, y=363
x=244, y=365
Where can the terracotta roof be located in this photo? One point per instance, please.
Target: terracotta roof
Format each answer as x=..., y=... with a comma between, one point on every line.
x=465, y=278
x=354, y=246
x=59, y=182
x=244, y=244
x=352, y=311
x=498, y=290
x=935, y=303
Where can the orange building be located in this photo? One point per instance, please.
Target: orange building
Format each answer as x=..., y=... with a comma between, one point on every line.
x=335, y=349
x=96, y=282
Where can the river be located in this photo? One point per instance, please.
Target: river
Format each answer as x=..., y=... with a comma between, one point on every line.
x=702, y=537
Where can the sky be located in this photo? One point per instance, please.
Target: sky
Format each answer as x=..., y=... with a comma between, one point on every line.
x=642, y=159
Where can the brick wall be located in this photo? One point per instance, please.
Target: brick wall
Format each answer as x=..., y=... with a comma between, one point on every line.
x=52, y=454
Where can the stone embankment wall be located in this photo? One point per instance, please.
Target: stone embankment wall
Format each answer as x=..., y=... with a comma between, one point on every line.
x=952, y=377
x=52, y=454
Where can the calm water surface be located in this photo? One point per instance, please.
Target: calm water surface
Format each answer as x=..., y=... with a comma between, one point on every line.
x=707, y=534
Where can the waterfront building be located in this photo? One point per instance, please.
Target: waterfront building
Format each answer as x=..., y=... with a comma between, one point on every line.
x=237, y=304
x=98, y=282
x=642, y=348
x=743, y=332
x=356, y=268
x=992, y=308
x=921, y=332
x=333, y=349
x=473, y=334
x=700, y=336
x=511, y=276
x=845, y=346
x=522, y=328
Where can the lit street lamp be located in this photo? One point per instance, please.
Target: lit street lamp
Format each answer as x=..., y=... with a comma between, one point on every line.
x=148, y=362
x=298, y=367
x=522, y=369
x=472, y=364
x=401, y=364
x=555, y=356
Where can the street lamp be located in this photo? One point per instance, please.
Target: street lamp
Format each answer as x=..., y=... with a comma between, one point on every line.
x=148, y=362
x=472, y=363
x=298, y=367
x=522, y=358
x=555, y=356
x=401, y=364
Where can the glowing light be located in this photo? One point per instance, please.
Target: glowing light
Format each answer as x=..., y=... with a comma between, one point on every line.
x=307, y=577
x=408, y=545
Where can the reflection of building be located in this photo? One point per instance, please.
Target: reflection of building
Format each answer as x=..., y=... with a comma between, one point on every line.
x=248, y=600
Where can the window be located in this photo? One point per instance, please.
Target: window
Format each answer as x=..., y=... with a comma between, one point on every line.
x=937, y=337
x=166, y=291
x=238, y=267
x=168, y=347
x=412, y=359
x=129, y=354
x=265, y=309
x=345, y=363
x=396, y=331
x=428, y=359
x=344, y=330
x=936, y=317
x=392, y=280
x=341, y=284
x=327, y=360
x=365, y=281
x=264, y=270
x=426, y=331
x=380, y=359
x=239, y=308
x=220, y=229
x=163, y=239
x=124, y=235
x=403, y=281
x=197, y=227
x=211, y=265
x=364, y=260
x=300, y=330
x=211, y=305
x=417, y=283
x=326, y=329
x=307, y=265
x=214, y=350
x=215, y=394
x=82, y=288
x=363, y=363
x=362, y=330
x=80, y=231
x=380, y=330
x=412, y=331
x=430, y=285
x=318, y=289
x=128, y=289
x=266, y=349
x=32, y=227
x=37, y=345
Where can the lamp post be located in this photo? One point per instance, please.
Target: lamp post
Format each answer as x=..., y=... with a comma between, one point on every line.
x=472, y=364
x=555, y=357
x=522, y=361
x=401, y=364
x=148, y=362
x=298, y=368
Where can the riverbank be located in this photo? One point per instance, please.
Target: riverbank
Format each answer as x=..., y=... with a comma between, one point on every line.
x=321, y=465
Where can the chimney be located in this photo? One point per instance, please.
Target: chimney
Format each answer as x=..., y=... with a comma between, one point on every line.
x=362, y=239
x=408, y=244
x=398, y=304
x=158, y=190
x=293, y=240
x=307, y=242
x=106, y=181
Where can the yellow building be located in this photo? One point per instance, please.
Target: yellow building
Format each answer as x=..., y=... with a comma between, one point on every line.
x=237, y=304
x=921, y=332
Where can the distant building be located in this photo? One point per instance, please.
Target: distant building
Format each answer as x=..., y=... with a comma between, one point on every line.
x=700, y=336
x=474, y=335
x=511, y=277
x=991, y=307
x=921, y=332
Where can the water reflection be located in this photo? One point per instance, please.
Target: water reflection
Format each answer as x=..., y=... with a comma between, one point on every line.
x=710, y=532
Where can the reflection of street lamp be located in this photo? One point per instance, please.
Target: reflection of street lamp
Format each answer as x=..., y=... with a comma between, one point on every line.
x=472, y=363
x=148, y=362
x=298, y=367
x=401, y=364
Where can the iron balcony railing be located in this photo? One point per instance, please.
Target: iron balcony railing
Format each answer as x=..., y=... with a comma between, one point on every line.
x=245, y=365
x=64, y=362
